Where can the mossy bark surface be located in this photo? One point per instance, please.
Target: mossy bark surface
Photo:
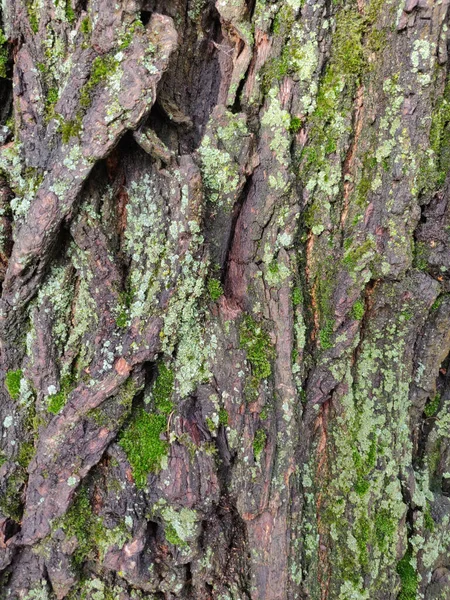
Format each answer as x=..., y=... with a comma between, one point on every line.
x=225, y=300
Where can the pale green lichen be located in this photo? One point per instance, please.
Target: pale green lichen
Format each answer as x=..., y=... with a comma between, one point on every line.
x=181, y=525
x=367, y=461
x=220, y=172
x=39, y=591
x=195, y=348
x=277, y=121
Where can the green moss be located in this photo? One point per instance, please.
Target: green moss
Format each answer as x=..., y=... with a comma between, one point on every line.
x=51, y=100
x=163, y=389
x=297, y=296
x=356, y=255
x=52, y=96
x=420, y=256
x=363, y=467
x=223, y=417
x=80, y=522
x=26, y=453
x=12, y=383
x=129, y=35
x=259, y=442
x=348, y=54
x=70, y=129
x=143, y=445
x=325, y=334
x=102, y=67
x=93, y=538
x=363, y=531
x=409, y=578
x=122, y=319
x=32, y=17
x=273, y=71
x=439, y=300
x=328, y=123
x=432, y=406
x=256, y=342
x=284, y=20
x=436, y=163
x=364, y=185
x=123, y=309
x=344, y=69
x=358, y=310
x=215, y=289
x=296, y=125
x=172, y=536
x=57, y=401
x=385, y=527
x=406, y=315
x=3, y=53
x=86, y=27
x=428, y=518
x=70, y=13
x=11, y=500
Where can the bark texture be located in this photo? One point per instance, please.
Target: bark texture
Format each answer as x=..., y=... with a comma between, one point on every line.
x=225, y=307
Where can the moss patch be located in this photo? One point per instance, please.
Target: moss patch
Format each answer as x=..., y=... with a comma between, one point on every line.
x=259, y=443
x=408, y=577
x=215, y=289
x=102, y=67
x=358, y=310
x=432, y=406
x=12, y=383
x=163, y=389
x=92, y=536
x=80, y=522
x=26, y=453
x=57, y=401
x=143, y=445
x=223, y=417
x=3, y=53
x=256, y=342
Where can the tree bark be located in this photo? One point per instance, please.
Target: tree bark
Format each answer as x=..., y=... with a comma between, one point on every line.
x=225, y=307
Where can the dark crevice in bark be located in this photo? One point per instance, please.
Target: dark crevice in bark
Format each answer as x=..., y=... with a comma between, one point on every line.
x=429, y=421
x=237, y=208
x=6, y=97
x=237, y=106
x=6, y=87
x=188, y=90
x=145, y=16
x=368, y=291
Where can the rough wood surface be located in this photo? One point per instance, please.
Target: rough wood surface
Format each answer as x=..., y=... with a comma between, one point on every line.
x=225, y=300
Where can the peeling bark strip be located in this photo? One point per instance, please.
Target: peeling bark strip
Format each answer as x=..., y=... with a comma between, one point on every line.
x=225, y=300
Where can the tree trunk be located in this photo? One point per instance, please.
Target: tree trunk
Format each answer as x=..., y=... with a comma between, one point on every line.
x=225, y=310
